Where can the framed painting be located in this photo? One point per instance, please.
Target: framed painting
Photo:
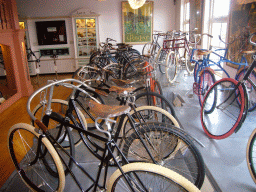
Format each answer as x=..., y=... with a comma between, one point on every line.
x=242, y=23
x=137, y=23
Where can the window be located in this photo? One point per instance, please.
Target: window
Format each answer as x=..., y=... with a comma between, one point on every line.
x=185, y=15
x=216, y=21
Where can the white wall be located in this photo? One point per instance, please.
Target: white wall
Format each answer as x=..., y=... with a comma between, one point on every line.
x=110, y=20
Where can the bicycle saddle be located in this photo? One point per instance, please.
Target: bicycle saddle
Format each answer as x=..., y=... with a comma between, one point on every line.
x=203, y=52
x=249, y=52
x=121, y=82
x=107, y=111
x=120, y=90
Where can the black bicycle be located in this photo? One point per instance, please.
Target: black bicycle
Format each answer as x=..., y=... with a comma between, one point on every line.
x=227, y=99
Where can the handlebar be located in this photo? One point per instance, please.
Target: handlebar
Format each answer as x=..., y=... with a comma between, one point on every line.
x=250, y=39
x=51, y=86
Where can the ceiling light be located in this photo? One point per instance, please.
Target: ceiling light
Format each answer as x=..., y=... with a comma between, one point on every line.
x=135, y=4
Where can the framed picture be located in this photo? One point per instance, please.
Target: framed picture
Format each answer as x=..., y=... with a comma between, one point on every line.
x=137, y=23
x=242, y=22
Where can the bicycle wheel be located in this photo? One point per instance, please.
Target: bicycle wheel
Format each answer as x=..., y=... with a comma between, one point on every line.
x=154, y=99
x=132, y=68
x=206, y=80
x=161, y=59
x=157, y=87
x=23, y=146
x=149, y=114
x=171, y=67
x=148, y=177
x=58, y=132
x=250, y=89
x=189, y=65
x=147, y=49
x=221, y=115
x=251, y=155
x=170, y=147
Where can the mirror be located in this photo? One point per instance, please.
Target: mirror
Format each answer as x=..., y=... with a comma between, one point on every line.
x=196, y=12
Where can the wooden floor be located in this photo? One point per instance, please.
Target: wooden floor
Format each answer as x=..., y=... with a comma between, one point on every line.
x=17, y=113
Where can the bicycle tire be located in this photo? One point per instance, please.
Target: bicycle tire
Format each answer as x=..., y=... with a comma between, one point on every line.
x=230, y=117
x=164, y=179
x=170, y=147
x=251, y=156
x=58, y=106
x=150, y=114
x=132, y=68
x=147, y=98
x=171, y=67
x=147, y=49
x=250, y=89
x=189, y=65
x=195, y=71
x=26, y=134
x=66, y=142
x=161, y=60
x=206, y=80
x=157, y=87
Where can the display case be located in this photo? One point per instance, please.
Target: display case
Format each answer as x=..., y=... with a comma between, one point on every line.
x=85, y=36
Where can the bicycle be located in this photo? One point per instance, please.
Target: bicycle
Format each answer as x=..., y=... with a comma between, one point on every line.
x=227, y=99
x=151, y=49
x=179, y=52
x=168, y=136
x=44, y=148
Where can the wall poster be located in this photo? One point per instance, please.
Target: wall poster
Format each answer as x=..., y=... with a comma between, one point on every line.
x=137, y=23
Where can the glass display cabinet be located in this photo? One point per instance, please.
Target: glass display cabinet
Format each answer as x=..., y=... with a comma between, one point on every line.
x=85, y=37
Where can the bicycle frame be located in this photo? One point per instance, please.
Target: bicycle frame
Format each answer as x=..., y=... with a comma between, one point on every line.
x=110, y=143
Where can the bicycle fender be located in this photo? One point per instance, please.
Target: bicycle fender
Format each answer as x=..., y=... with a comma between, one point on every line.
x=207, y=68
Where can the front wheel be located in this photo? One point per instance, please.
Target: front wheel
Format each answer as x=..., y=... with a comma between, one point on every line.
x=221, y=114
x=148, y=177
x=168, y=146
x=23, y=147
x=251, y=155
x=171, y=67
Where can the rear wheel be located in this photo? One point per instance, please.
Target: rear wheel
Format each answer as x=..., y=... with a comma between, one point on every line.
x=250, y=89
x=154, y=99
x=23, y=147
x=148, y=177
x=147, y=49
x=206, y=80
x=171, y=67
x=161, y=59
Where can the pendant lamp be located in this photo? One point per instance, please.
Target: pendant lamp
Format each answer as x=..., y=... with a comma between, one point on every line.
x=135, y=4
